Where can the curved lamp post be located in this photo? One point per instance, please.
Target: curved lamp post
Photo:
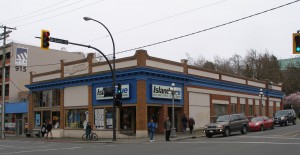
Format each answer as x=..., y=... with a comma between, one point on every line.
x=173, y=130
x=113, y=75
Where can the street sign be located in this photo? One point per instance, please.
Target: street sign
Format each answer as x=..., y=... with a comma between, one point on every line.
x=61, y=41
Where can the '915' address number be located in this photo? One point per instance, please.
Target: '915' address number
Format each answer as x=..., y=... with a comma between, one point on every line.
x=20, y=68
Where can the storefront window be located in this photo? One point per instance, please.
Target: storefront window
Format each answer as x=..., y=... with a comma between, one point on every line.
x=37, y=119
x=250, y=110
x=103, y=118
x=75, y=118
x=220, y=109
x=233, y=108
x=55, y=119
x=243, y=108
x=46, y=98
x=46, y=117
x=10, y=123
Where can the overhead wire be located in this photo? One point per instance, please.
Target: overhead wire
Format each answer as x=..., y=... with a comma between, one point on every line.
x=34, y=11
x=155, y=21
x=46, y=12
x=59, y=14
x=207, y=29
x=214, y=27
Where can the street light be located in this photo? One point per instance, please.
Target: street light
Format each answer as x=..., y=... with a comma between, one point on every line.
x=113, y=75
x=173, y=92
x=261, y=94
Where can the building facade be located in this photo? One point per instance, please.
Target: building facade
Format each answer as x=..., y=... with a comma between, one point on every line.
x=20, y=60
x=78, y=92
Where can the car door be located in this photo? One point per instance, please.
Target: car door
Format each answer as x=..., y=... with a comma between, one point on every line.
x=233, y=124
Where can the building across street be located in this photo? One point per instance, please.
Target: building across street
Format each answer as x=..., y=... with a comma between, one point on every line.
x=78, y=92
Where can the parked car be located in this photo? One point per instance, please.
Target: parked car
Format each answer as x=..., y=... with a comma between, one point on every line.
x=261, y=123
x=226, y=124
x=284, y=117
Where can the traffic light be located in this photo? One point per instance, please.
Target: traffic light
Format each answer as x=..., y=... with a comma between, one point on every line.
x=296, y=43
x=118, y=99
x=45, y=39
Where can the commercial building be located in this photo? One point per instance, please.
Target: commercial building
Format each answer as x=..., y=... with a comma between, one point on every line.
x=77, y=92
x=20, y=60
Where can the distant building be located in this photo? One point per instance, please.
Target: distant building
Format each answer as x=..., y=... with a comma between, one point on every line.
x=20, y=60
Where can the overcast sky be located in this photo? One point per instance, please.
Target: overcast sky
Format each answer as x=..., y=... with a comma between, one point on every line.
x=136, y=23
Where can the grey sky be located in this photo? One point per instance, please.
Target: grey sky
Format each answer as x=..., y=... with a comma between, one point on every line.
x=136, y=23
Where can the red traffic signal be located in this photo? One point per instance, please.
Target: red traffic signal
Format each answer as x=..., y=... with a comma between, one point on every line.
x=45, y=39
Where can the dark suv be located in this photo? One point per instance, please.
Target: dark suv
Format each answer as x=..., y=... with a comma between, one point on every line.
x=226, y=124
x=284, y=117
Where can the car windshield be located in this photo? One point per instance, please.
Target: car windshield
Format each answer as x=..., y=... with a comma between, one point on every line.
x=224, y=118
x=256, y=119
x=283, y=112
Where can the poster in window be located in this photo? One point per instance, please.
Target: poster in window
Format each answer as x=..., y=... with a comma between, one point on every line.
x=109, y=120
x=37, y=119
x=99, y=118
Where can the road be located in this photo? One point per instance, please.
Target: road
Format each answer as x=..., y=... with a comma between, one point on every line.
x=281, y=140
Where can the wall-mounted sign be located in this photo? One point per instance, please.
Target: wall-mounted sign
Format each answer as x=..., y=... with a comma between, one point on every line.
x=160, y=91
x=102, y=92
x=99, y=118
x=21, y=56
x=77, y=69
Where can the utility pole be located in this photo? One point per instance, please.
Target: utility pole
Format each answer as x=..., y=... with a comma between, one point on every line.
x=5, y=35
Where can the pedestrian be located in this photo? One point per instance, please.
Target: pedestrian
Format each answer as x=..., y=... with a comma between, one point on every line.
x=88, y=130
x=184, y=122
x=191, y=124
x=167, y=126
x=151, y=129
x=49, y=129
x=43, y=129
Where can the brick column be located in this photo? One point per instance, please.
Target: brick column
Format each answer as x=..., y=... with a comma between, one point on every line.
x=141, y=109
x=247, y=107
x=62, y=109
x=30, y=113
x=238, y=105
x=163, y=113
x=90, y=105
x=253, y=107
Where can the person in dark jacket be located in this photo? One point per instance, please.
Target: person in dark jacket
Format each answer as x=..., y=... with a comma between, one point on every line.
x=88, y=130
x=167, y=126
x=43, y=129
x=151, y=129
x=49, y=129
x=191, y=124
x=184, y=122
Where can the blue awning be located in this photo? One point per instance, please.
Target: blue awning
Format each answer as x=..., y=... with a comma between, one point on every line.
x=16, y=107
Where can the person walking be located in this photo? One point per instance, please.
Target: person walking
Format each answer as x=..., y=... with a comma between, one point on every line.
x=184, y=122
x=167, y=126
x=43, y=129
x=88, y=130
x=191, y=124
x=49, y=129
x=151, y=129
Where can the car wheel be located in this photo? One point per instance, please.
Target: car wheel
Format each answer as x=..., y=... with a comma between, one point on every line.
x=226, y=132
x=272, y=126
x=208, y=135
x=294, y=121
x=286, y=123
x=244, y=129
x=262, y=128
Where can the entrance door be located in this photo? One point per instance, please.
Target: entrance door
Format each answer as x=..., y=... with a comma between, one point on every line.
x=19, y=127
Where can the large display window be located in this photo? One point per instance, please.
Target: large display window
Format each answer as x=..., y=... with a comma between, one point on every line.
x=46, y=98
x=103, y=118
x=75, y=118
x=46, y=116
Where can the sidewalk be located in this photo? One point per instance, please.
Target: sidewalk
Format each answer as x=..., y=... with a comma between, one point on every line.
x=157, y=138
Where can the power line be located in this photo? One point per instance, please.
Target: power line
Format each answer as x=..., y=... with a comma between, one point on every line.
x=49, y=11
x=156, y=21
x=60, y=14
x=18, y=87
x=190, y=34
x=35, y=11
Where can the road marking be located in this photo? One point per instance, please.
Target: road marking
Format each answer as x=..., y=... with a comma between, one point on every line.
x=272, y=143
x=270, y=137
x=290, y=133
x=20, y=152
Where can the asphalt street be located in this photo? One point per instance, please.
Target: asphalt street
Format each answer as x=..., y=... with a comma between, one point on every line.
x=281, y=140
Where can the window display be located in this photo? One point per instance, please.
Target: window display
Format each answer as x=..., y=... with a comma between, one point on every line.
x=75, y=118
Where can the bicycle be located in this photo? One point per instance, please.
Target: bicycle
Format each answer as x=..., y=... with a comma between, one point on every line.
x=93, y=136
